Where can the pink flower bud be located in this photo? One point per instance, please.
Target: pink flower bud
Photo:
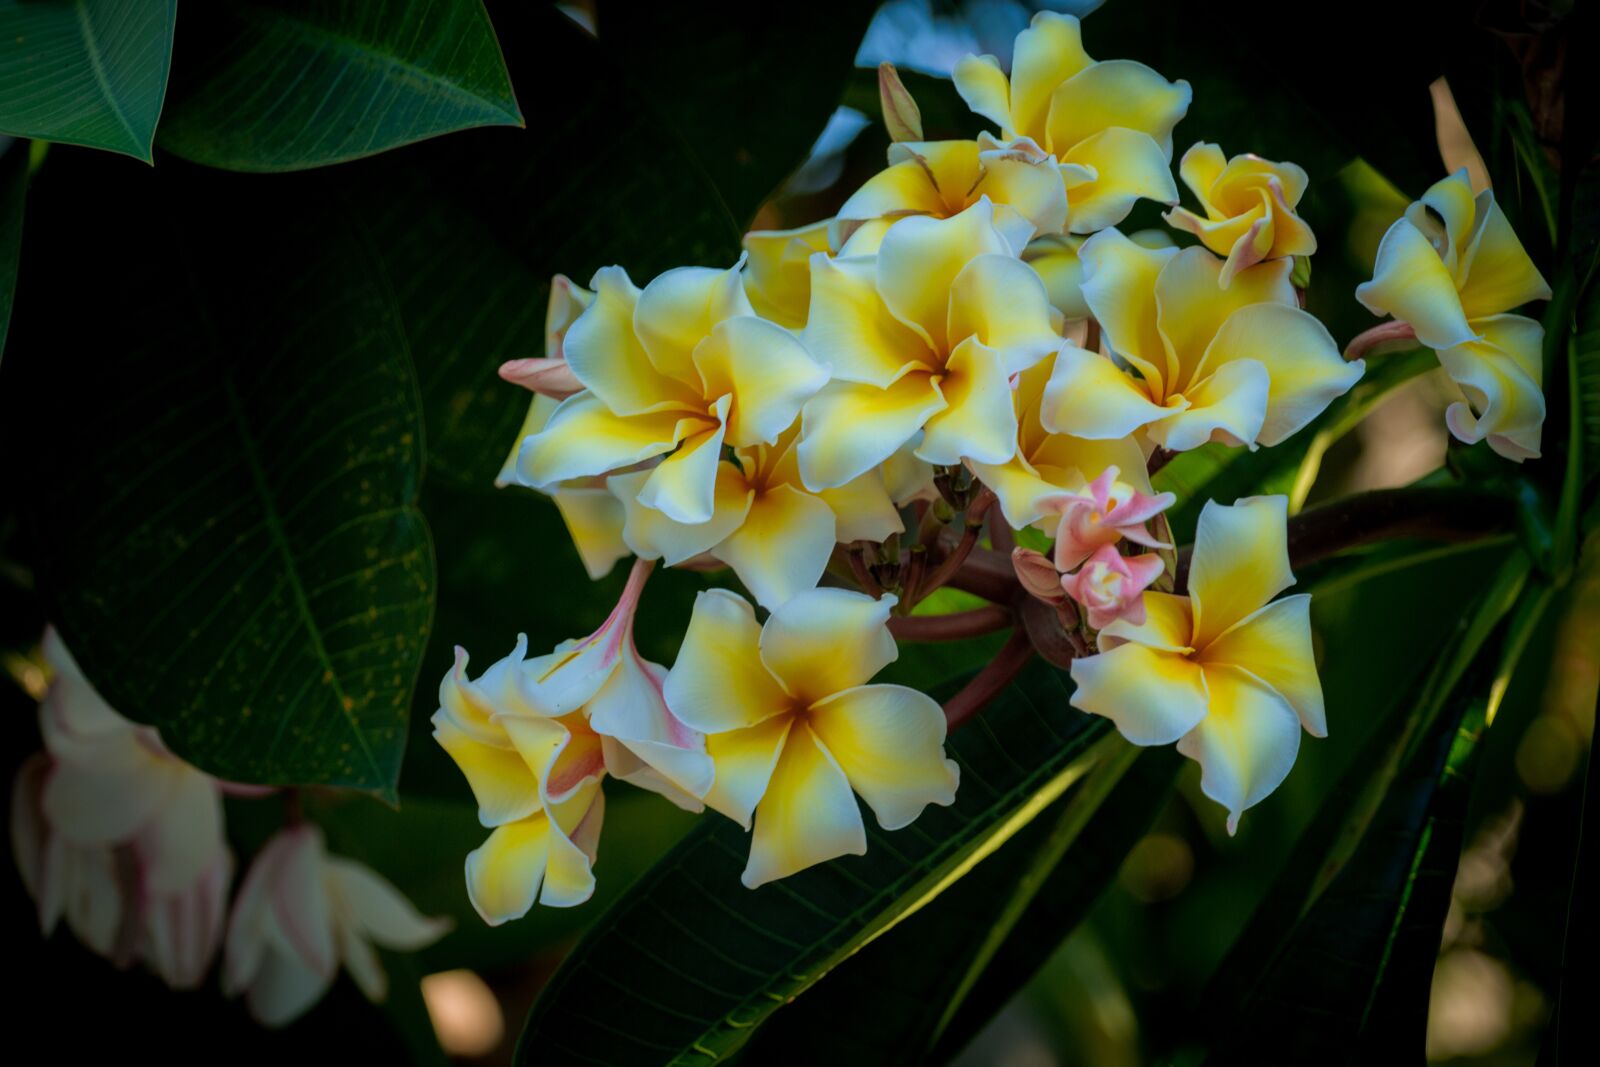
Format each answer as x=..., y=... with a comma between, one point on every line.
x=1107, y=512
x=1037, y=575
x=547, y=377
x=1111, y=586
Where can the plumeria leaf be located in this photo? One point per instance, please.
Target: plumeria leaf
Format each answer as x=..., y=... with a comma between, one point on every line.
x=225, y=518
x=13, y=192
x=88, y=72
x=693, y=961
x=286, y=86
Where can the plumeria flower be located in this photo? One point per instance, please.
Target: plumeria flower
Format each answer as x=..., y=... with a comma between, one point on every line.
x=1249, y=207
x=1226, y=672
x=944, y=178
x=301, y=914
x=794, y=729
x=1048, y=466
x=679, y=370
x=535, y=737
x=775, y=533
x=922, y=338
x=1243, y=365
x=777, y=273
x=1110, y=586
x=123, y=838
x=1108, y=124
x=1449, y=270
x=1108, y=511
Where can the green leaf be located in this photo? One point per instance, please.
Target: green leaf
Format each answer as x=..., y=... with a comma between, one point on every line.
x=13, y=192
x=689, y=961
x=87, y=72
x=287, y=85
x=224, y=520
x=472, y=228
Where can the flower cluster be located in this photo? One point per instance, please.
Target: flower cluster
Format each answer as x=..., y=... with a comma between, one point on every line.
x=969, y=350
x=126, y=841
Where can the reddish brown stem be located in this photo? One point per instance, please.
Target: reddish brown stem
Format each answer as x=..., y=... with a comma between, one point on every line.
x=988, y=683
x=863, y=574
x=956, y=626
x=969, y=540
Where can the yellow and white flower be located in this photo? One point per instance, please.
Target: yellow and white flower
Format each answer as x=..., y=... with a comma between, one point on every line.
x=794, y=730
x=679, y=370
x=777, y=272
x=1226, y=672
x=1450, y=269
x=301, y=914
x=1249, y=207
x=1243, y=364
x=1109, y=124
x=922, y=337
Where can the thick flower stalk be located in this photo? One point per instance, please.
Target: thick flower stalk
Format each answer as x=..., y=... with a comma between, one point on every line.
x=1241, y=364
x=119, y=836
x=795, y=731
x=301, y=915
x=1248, y=204
x=1449, y=270
x=1108, y=124
x=922, y=338
x=1226, y=672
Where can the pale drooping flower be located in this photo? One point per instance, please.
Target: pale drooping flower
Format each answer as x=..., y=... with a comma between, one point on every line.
x=535, y=737
x=1450, y=269
x=1243, y=365
x=301, y=914
x=1108, y=124
x=119, y=836
x=1249, y=207
x=795, y=730
x=1226, y=672
x=922, y=337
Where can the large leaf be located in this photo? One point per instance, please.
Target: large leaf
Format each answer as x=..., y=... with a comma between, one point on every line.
x=689, y=961
x=224, y=515
x=274, y=85
x=13, y=191
x=89, y=72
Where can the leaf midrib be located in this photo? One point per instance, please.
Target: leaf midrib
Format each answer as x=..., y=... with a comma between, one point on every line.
x=91, y=47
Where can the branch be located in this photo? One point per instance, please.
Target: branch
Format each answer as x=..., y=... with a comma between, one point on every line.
x=987, y=683
x=987, y=574
x=956, y=626
x=969, y=540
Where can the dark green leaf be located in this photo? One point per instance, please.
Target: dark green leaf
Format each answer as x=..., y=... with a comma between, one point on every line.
x=13, y=191
x=89, y=72
x=225, y=519
x=291, y=84
x=690, y=961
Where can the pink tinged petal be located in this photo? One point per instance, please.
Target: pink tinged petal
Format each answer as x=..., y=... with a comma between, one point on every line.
x=638, y=763
x=92, y=899
x=825, y=641
x=1118, y=92
x=889, y=741
x=111, y=799
x=1240, y=562
x=567, y=301
x=1127, y=166
x=300, y=911
x=920, y=259
x=863, y=509
x=605, y=355
x=1001, y=302
x=767, y=372
x=677, y=310
x=594, y=520
x=1246, y=744
x=1251, y=248
x=1037, y=575
x=744, y=760
x=564, y=754
x=30, y=833
x=683, y=487
x=978, y=421
x=849, y=429
x=850, y=329
x=1194, y=306
x=1089, y=396
x=371, y=904
x=1274, y=646
x=1229, y=406
x=183, y=930
x=1167, y=626
x=547, y=377
x=1153, y=698
x=1302, y=360
x=783, y=546
x=1500, y=275
x=718, y=682
x=363, y=965
x=652, y=535
x=807, y=816
x=983, y=86
x=1110, y=586
x=1120, y=288
x=1081, y=531
x=185, y=838
x=1411, y=282
x=632, y=711
x=246, y=943
x=284, y=989
x=583, y=438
